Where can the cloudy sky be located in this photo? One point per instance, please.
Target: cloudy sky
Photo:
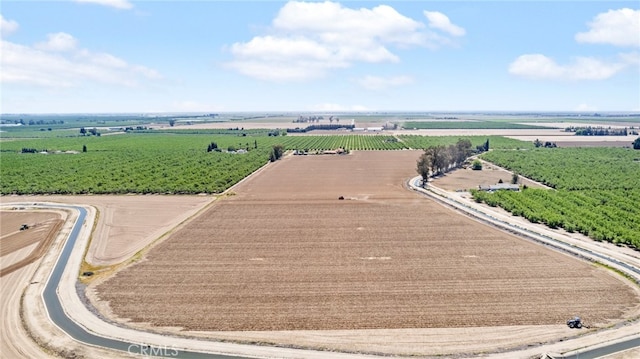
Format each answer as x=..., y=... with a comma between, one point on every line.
x=97, y=56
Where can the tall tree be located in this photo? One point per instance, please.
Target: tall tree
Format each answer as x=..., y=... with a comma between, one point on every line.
x=276, y=152
x=424, y=166
x=464, y=149
x=440, y=159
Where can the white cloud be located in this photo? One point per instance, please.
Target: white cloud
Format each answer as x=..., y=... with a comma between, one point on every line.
x=440, y=21
x=631, y=58
x=380, y=83
x=57, y=63
x=583, y=107
x=7, y=26
x=103, y=59
x=58, y=42
x=309, y=39
x=615, y=27
x=287, y=59
x=331, y=21
x=538, y=66
x=118, y=4
x=535, y=66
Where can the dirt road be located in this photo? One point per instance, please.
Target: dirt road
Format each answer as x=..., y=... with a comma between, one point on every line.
x=14, y=340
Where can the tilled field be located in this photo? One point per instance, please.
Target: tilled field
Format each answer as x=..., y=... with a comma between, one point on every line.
x=43, y=227
x=467, y=179
x=285, y=254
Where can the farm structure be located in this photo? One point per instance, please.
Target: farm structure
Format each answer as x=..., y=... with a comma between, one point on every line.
x=284, y=253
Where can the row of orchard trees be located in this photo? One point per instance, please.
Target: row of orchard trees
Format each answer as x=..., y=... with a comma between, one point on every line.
x=439, y=159
x=597, y=190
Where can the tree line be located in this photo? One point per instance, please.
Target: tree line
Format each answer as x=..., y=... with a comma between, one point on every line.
x=598, y=131
x=439, y=159
x=597, y=190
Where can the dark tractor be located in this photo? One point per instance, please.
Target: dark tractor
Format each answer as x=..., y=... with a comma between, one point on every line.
x=576, y=322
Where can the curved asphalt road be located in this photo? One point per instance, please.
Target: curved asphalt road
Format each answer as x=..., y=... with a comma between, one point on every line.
x=59, y=317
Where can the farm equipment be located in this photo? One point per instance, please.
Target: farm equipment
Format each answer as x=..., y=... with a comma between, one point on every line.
x=576, y=322
x=24, y=227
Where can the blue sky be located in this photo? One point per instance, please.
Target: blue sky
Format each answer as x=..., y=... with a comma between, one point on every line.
x=103, y=56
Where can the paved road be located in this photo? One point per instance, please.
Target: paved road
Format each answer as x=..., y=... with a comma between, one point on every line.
x=14, y=340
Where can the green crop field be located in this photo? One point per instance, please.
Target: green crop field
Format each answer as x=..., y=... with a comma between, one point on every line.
x=495, y=142
x=173, y=162
x=347, y=142
x=597, y=190
x=131, y=163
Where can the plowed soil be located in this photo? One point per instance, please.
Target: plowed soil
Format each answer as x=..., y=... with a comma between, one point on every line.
x=465, y=179
x=285, y=253
x=43, y=228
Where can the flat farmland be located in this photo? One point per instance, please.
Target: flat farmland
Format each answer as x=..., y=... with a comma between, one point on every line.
x=466, y=179
x=284, y=253
x=20, y=248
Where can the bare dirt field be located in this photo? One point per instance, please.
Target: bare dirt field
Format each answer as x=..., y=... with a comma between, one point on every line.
x=247, y=125
x=466, y=179
x=562, y=125
x=43, y=228
x=126, y=224
x=487, y=132
x=285, y=254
